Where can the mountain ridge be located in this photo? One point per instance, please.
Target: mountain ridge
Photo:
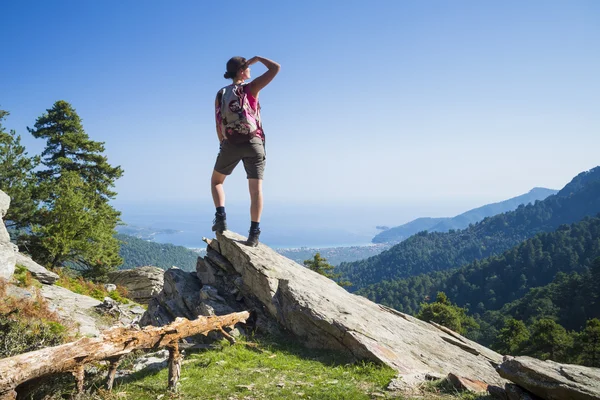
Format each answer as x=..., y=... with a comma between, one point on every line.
x=433, y=251
x=461, y=221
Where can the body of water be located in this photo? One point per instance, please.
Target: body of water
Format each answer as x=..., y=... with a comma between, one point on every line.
x=283, y=225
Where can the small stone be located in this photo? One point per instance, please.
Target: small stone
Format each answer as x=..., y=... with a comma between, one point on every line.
x=432, y=376
x=110, y=287
x=464, y=383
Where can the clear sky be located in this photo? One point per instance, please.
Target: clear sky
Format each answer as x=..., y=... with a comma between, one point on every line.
x=377, y=102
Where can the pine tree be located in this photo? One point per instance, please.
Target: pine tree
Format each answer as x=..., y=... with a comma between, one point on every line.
x=17, y=178
x=443, y=312
x=77, y=176
x=321, y=266
x=511, y=337
x=590, y=343
x=549, y=340
x=69, y=148
x=82, y=235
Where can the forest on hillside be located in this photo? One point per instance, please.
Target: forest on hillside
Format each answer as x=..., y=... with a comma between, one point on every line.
x=540, y=298
x=138, y=252
x=490, y=283
x=426, y=252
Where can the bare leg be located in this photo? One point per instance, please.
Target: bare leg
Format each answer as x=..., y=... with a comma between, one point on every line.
x=216, y=188
x=256, y=199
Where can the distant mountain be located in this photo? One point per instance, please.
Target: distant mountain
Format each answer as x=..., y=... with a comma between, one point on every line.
x=493, y=282
x=436, y=251
x=400, y=233
x=138, y=252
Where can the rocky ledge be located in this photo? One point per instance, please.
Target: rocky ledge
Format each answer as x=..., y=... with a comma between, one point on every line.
x=318, y=311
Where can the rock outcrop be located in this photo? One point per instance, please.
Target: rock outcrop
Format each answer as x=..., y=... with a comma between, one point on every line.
x=142, y=283
x=10, y=256
x=8, y=250
x=550, y=380
x=37, y=271
x=319, y=312
x=183, y=295
x=81, y=312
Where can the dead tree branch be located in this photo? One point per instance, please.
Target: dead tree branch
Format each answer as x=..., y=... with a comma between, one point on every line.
x=112, y=344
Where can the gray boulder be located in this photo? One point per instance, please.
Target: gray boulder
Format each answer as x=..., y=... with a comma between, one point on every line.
x=75, y=308
x=4, y=203
x=142, y=283
x=551, y=380
x=8, y=250
x=324, y=315
x=183, y=295
x=83, y=314
x=37, y=271
x=8, y=258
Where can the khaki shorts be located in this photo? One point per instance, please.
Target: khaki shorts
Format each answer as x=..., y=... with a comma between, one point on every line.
x=252, y=153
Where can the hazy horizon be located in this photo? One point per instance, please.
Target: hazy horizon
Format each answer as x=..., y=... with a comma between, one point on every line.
x=286, y=224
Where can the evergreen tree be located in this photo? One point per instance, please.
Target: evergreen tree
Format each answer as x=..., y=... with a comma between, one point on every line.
x=17, y=178
x=590, y=343
x=511, y=337
x=69, y=148
x=76, y=169
x=549, y=340
x=321, y=266
x=443, y=312
x=82, y=235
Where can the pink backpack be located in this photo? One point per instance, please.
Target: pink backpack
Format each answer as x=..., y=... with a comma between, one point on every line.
x=239, y=121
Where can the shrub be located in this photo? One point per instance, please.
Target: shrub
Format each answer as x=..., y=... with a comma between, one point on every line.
x=28, y=324
x=23, y=276
x=75, y=283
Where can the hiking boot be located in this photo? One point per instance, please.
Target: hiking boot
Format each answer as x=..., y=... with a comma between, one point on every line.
x=253, y=238
x=219, y=223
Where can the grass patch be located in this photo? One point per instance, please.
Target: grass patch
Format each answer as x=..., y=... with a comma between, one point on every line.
x=76, y=284
x=28, y=324
x=444, y=388
x=268, y=368
x=24, y=278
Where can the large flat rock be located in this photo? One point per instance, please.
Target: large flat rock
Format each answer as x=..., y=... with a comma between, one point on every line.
x=73, y=307
x=8, y=258
x=142, y=283
x=37, y=271
x=552, y=380
x=324, y=315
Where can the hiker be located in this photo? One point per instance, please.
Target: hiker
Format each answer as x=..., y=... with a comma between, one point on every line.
x=241, y=137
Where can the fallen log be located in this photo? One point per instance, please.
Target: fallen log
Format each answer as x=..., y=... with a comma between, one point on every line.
x=111, y=345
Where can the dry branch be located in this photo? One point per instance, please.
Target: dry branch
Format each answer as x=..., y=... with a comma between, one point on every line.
x=113, y=344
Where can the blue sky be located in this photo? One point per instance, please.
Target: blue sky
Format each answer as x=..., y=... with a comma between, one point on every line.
x=452, y=104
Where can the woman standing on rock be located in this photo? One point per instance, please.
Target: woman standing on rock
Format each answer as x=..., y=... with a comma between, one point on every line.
x=241, y=138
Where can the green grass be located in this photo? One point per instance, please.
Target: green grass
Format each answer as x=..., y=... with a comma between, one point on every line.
x=444, y=389
x=76, y=284
x=24, y=278
x=264, y=369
